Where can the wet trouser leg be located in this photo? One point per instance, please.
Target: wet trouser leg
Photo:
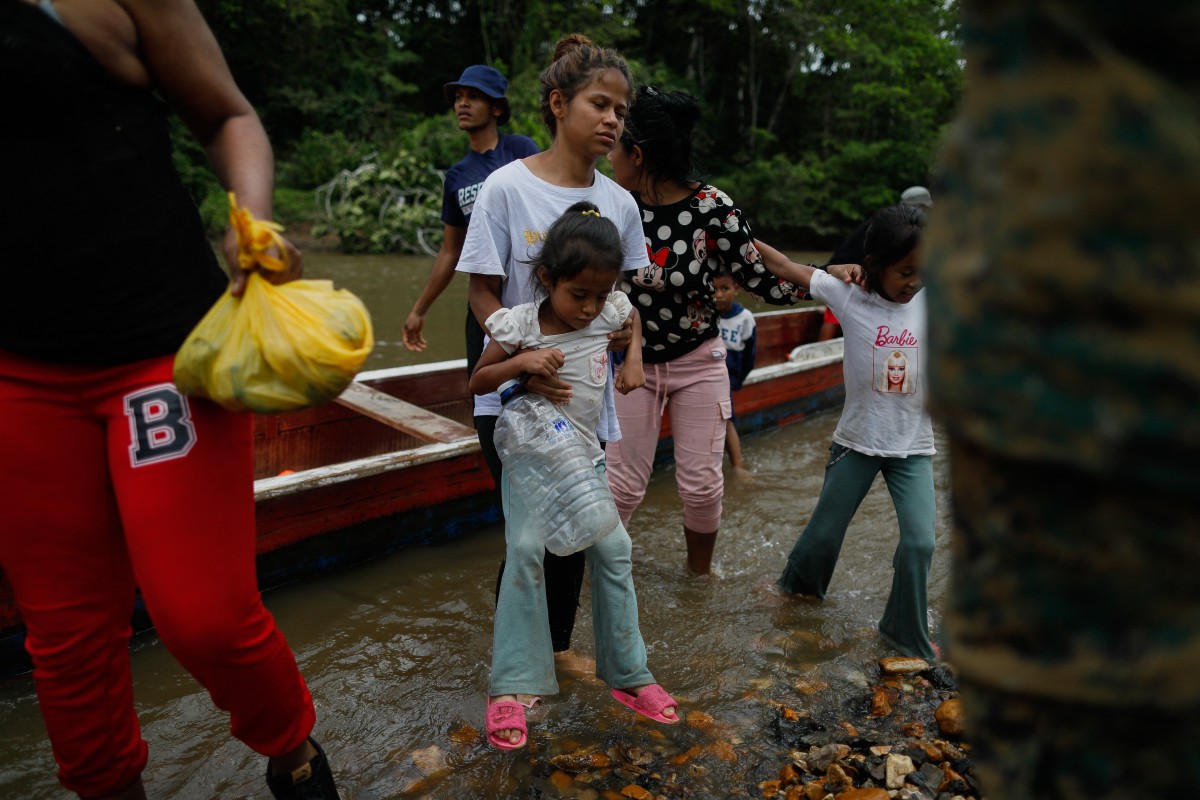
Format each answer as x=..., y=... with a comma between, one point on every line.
x=149, y=488
x=848, y=478
x=905, y=620
x=696, y=386
x=810, y=565
x=620, y=650
x=563, y=574
x=522, y=658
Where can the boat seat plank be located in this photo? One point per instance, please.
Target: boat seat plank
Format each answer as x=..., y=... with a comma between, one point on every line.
x=402, y=415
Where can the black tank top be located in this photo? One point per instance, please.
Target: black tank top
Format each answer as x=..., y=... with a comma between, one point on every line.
x=103, y=258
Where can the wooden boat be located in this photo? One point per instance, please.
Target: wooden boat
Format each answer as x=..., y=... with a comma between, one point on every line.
x=395, y=462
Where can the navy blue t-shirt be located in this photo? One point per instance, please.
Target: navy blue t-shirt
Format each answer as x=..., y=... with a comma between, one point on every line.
x=465, y=178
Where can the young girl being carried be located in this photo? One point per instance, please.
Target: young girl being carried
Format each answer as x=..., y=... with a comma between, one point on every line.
x=565, y=335
x=883, y=428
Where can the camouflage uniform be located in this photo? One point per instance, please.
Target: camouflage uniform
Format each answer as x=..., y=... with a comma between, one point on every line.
x=1063, y=263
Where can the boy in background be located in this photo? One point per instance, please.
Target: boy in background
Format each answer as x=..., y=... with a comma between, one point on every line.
x=738, y=332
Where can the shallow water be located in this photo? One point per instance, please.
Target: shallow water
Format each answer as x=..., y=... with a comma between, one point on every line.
x=396, y=654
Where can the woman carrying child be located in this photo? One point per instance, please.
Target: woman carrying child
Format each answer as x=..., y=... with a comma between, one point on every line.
x=565, y=335
x=881, y=430
x=586, y=92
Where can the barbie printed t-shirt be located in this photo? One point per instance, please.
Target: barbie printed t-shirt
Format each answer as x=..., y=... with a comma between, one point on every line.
x=884, y=369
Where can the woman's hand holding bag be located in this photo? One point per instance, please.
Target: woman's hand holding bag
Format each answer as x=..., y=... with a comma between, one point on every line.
x=277, y=347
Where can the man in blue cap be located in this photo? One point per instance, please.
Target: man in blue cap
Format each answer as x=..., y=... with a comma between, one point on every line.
x=480, y=106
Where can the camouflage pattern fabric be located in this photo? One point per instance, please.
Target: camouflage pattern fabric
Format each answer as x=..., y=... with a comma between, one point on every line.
x=1064, y=256
x=1033, y=749
x=1063, y=264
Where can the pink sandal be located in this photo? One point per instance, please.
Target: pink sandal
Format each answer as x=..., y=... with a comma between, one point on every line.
x=650, y=703
x=505, y=715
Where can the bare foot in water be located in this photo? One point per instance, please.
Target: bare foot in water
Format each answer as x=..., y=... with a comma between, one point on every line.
x=743, y=474
x=571, y=663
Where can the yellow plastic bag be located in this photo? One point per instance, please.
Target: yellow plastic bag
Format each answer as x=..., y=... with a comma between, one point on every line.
x=276, y=348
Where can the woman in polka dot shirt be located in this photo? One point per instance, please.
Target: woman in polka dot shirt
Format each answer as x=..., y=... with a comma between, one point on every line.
x=691, y=229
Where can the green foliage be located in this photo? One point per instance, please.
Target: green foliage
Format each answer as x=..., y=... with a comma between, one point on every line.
x=191, y=163
x=816, y=112
x=214, y=212
x=379, y=208
x=296, y=207
x=316, y=156
x=291, y=207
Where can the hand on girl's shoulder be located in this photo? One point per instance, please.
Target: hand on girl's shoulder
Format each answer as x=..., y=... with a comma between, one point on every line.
x=848, y=273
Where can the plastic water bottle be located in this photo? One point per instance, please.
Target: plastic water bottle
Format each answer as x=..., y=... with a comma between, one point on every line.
x=547, y=461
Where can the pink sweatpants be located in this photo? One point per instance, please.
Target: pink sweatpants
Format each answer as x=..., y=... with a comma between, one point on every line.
x=696, y=386
x=110, y=478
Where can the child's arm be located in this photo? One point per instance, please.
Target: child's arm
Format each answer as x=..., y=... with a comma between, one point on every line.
x=801, y=274
x=781, y=266
x=496, y=366
x=631, y=376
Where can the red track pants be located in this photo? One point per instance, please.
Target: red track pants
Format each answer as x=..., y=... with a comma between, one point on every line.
x=109, y=478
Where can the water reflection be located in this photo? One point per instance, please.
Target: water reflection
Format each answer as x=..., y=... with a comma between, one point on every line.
x=397, y=651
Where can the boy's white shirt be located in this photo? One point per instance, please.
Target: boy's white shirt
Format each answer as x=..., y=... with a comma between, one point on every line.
x=585, y=355
x=742, y=324
x=512, y=214
x=874, y=422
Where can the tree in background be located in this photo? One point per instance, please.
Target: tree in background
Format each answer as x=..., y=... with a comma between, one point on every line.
x=815, y=113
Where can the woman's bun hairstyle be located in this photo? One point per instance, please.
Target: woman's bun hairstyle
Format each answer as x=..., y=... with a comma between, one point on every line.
x=576, y=59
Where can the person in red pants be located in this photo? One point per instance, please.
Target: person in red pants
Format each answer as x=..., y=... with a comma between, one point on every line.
x=110, y=479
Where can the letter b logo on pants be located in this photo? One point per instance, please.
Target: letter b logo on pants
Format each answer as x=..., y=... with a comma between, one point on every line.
x=160, y=425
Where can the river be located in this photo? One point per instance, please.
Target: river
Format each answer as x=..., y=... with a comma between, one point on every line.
x=396, y=651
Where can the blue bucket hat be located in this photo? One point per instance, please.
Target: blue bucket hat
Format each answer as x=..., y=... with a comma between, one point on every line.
x=487, y=80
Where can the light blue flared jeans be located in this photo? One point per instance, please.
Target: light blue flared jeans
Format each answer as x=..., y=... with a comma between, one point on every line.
x=522, y=655
x=848, y=477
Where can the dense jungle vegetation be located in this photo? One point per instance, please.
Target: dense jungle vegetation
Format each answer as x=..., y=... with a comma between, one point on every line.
x=816, y=112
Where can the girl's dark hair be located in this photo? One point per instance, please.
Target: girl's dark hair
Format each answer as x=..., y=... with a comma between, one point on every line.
x=575, y=60
x=892, y=233
x=661, y=124
x=580, y=239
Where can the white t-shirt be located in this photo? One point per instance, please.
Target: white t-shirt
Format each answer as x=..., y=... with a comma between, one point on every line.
x=884, y=369
x=512, y=214
x=737, y=328
x=585, y=357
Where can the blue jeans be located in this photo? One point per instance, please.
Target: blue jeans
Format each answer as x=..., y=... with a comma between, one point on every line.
x=848, y=477
x=522, y=656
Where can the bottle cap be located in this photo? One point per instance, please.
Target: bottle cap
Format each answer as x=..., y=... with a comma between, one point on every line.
x=510, y=388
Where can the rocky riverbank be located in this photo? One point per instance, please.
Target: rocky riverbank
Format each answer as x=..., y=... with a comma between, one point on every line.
x=885, y=730
x=900, y=737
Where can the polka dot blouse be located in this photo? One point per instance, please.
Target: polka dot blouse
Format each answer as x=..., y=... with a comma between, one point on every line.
x=687, y=242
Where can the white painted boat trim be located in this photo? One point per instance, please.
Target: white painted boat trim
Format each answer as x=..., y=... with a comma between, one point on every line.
x=283, y=485
x=802, y=358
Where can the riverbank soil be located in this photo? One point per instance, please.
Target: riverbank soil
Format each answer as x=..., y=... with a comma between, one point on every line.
x=885, y=730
